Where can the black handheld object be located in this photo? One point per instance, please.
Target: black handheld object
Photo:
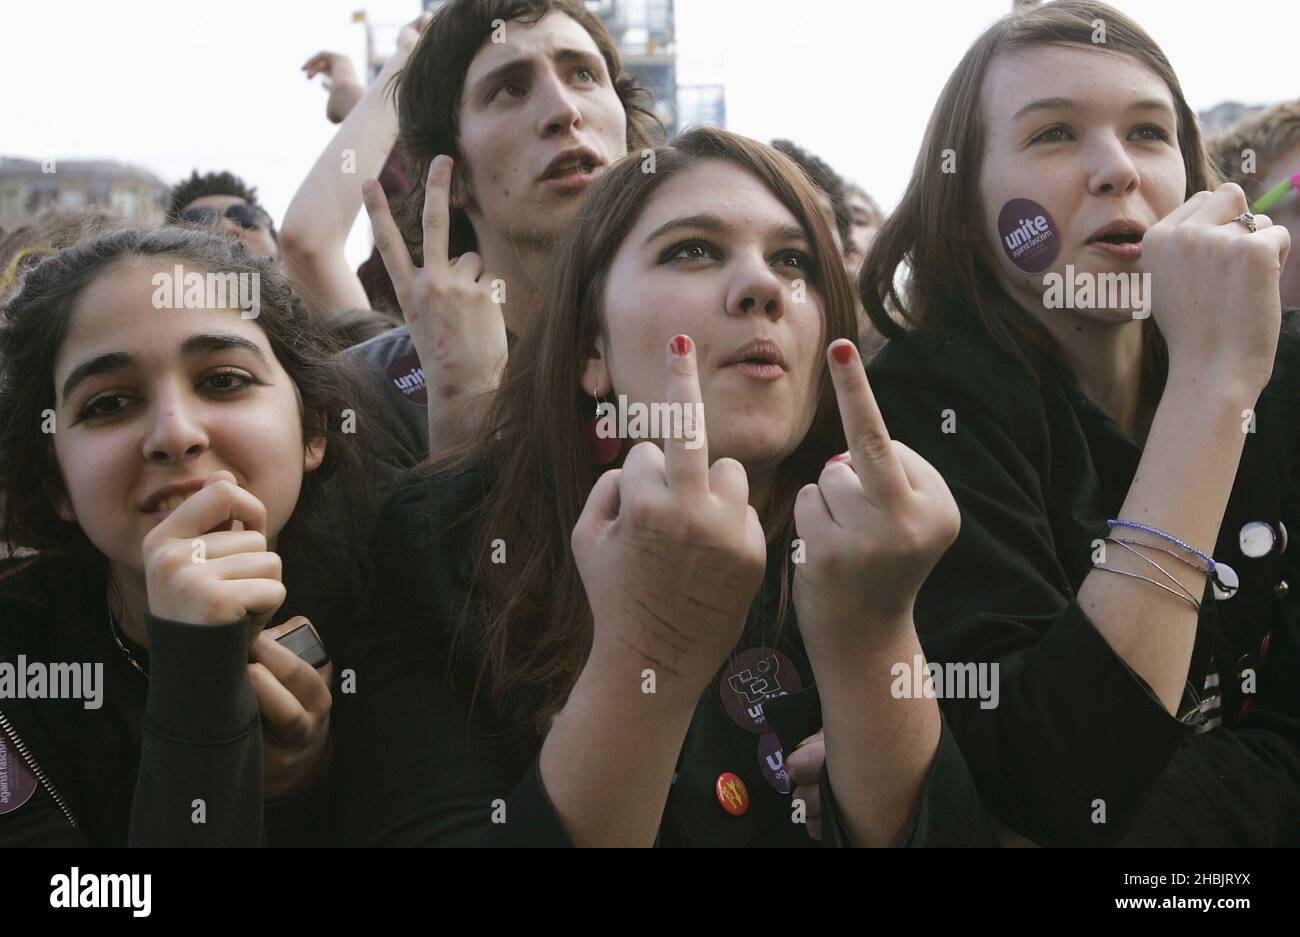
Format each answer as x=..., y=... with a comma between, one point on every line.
x=303, y=642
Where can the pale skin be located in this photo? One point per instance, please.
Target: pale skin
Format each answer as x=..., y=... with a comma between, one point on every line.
x=542, y=92
x=193, y=397
x=314, y=235
x=257, y=241
x=1091, y=136
x=670, y=546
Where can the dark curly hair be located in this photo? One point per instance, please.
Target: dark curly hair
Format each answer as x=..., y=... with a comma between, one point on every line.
x=826, y=179
x=430, y=86
x=210, y=183
x=336, y=500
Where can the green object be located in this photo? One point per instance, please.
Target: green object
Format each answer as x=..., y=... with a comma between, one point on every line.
x=1274, y=195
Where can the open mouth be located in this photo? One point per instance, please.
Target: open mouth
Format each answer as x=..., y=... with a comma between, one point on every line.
x=1122, y=237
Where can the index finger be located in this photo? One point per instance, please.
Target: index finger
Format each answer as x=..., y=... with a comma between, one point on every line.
x=388, y=240
x=219, y=502
x=686, y=448
x=874, y=459
x=437, y=211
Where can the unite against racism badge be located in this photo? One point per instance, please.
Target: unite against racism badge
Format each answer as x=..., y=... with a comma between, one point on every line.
x=16, y=783
x=1030, y=238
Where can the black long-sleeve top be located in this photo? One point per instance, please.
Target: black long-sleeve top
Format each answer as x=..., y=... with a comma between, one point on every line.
x=158, y=754
x=416, y=767
x=1037, y=469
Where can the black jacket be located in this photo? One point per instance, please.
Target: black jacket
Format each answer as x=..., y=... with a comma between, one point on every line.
x=1037, y=469
x=130, y=771
x=416, y=769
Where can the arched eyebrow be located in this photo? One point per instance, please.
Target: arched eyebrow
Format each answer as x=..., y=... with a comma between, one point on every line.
x=113, y=361
x=522, y=67
x=712, y=222
x=1070, y=104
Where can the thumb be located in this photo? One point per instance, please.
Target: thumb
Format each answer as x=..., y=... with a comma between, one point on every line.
x=602, y=505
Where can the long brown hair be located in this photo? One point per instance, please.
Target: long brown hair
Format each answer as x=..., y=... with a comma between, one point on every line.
x=937, y=224
x=429, y=88
x=536, y=620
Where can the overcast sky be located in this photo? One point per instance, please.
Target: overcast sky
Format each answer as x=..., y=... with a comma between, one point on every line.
x=173, y=85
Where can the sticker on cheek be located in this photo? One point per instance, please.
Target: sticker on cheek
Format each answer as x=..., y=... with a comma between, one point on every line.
x=1029, y=236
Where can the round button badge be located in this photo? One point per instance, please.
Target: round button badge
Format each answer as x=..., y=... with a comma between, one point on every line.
x=732, y=793
x=750, y=679
x=1256, y=539
x=1230, y=580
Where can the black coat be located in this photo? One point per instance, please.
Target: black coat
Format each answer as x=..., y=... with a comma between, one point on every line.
x=129, y=772
x=1037, y=469
x=416, y=769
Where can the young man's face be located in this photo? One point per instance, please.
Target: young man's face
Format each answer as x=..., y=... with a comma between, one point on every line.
x=539, y=121
x=254, y=233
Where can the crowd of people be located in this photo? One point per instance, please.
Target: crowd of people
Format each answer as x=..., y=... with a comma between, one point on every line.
x=908, y=552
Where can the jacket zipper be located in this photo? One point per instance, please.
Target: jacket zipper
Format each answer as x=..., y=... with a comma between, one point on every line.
x=7, y=727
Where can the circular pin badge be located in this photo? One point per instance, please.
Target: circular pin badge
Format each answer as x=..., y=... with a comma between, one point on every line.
x=1256, y=539
x=732, y=793
x=771, y=761
x=751, y=678
x=1229, y=580
x=16, y=783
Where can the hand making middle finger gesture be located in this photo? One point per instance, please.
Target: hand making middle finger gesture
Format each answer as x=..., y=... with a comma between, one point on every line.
x=873, y=525
x=670, y=552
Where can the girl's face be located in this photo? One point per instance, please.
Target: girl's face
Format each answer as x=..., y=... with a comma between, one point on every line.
x=717, y=257
x=150, y=398
x=1091, y=136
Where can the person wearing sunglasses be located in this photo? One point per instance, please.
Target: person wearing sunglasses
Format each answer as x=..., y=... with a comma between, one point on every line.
x=222, y=199
x=1262, y=155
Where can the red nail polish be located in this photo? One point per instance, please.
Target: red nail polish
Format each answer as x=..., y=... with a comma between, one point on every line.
x=842, y=457
x=681, y=346
x=843, y=352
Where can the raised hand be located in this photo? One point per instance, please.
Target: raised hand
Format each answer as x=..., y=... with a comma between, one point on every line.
x=670, y=552
x=873, y=525
x=200, y=570
x=456, y=324
x=341, y=81
x=1215, y=289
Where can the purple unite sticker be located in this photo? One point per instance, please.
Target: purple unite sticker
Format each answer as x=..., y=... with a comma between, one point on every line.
x=1029, y=236
x=756, y=675
x=408, y=377
x=16, y=783
x=771, y=761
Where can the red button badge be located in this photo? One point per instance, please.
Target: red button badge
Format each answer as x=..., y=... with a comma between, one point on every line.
x=732, y=794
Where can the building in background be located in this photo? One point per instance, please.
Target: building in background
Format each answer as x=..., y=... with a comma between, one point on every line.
x=645, y=35
x=28, y=191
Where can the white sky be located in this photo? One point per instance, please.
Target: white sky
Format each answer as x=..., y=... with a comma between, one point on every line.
x=174, y=85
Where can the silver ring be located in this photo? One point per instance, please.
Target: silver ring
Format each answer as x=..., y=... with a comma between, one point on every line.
x=1248, y=220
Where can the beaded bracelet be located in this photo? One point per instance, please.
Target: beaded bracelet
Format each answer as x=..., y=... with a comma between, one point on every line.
x=1209, y=560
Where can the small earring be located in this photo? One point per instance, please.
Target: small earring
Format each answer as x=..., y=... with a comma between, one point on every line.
x=604, y=449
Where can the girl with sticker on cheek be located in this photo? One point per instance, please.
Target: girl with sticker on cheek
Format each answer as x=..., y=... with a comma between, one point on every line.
x=1091, y=350
x=162, y=456
x=606, y=631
